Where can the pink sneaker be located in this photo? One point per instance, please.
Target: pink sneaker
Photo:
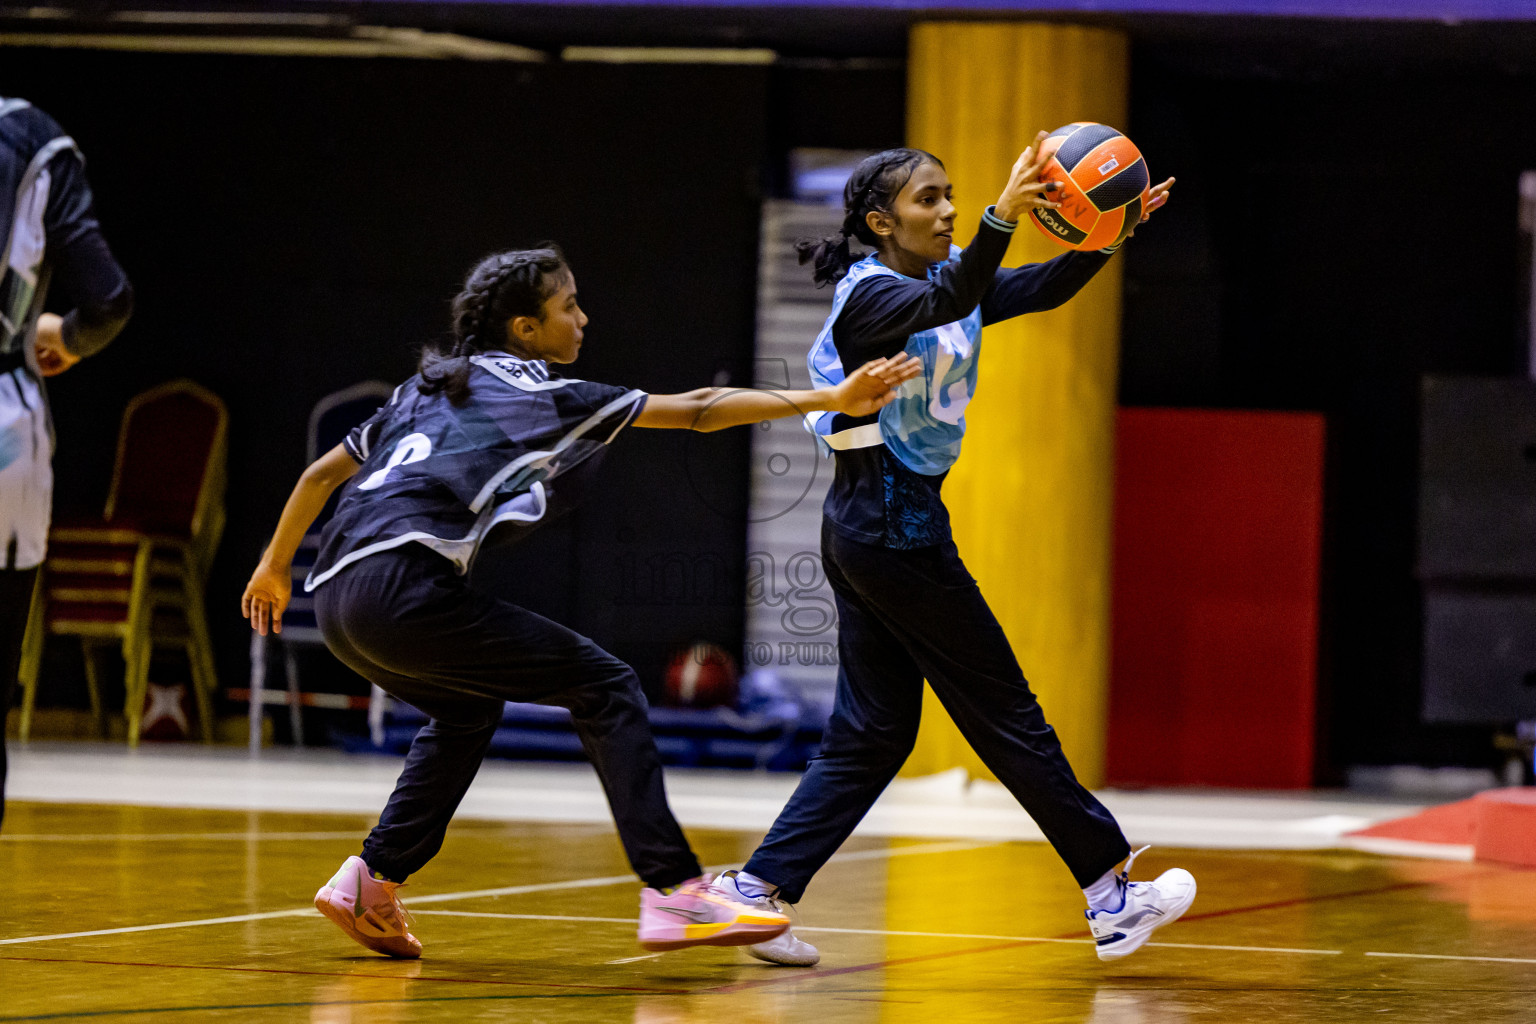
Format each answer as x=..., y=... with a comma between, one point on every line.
x=693, y=915
x=368, y=910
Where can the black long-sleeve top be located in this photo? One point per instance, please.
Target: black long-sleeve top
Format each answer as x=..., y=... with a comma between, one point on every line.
x=874, y=497
x=87, y=274
x=75, y=255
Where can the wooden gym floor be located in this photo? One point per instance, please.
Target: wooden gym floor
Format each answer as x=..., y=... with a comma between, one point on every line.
x=123, y=913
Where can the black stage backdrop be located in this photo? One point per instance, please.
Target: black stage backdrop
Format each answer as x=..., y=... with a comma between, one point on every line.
x=296, y=225
x=1341, y=226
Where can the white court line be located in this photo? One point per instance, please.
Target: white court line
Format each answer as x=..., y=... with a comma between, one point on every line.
x=899, y=934
x=956, y=846
x=166, y=837
x=590, y=883
x=1041, y=938
x=511, y=890
x=1247, y=949
x=525, y=917
x=1442, y=956
x=521, y=890
x=800, y=928
x=237, y=919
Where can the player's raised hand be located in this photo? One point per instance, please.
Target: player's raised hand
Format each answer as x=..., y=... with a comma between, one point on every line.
x=873, y=386
x=266, y=598
x=1025, y=189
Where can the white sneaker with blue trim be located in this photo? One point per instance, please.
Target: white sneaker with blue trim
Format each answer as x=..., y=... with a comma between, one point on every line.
x=1147, y=907
x=784, y=949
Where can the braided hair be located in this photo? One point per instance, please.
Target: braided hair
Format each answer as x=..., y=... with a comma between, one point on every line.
x=501, y=288
x=873, y=185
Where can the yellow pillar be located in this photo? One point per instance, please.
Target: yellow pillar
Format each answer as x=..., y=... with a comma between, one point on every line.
x=1031, y=495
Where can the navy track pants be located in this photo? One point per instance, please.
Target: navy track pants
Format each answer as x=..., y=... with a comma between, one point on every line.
x=403, y=619
x=907, y=615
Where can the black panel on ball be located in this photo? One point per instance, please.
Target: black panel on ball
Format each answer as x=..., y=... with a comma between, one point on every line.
x=1115, y=192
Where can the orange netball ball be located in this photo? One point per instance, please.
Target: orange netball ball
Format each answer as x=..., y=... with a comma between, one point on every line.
x=1103, y=186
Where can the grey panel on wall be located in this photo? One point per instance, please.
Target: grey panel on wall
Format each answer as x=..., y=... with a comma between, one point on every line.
x=791, y=619
x=1477, y=494
x=1479, y=657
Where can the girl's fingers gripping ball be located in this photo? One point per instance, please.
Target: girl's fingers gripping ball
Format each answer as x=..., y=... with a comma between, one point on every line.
x=1040, y=194
x=1034, y=158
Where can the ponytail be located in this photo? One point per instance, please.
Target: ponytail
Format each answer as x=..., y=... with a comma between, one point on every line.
x=873, y=185
x=830, y=257
x=499, y=289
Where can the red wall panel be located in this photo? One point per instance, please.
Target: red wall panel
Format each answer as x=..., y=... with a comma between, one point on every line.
x=1218, y=536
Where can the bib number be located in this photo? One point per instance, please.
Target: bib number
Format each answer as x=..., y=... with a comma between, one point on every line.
x=412, y=448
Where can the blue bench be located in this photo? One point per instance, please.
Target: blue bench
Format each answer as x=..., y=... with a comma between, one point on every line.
x=780, y=736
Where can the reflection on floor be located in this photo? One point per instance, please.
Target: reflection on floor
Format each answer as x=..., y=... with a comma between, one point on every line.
x=132, y=913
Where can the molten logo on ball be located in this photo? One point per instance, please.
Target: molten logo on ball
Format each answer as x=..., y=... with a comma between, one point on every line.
x=1068, y=234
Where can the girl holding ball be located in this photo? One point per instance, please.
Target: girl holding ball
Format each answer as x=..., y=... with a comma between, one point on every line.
x=907, y=608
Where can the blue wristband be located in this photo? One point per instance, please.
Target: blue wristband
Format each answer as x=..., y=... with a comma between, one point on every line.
x=991, y=219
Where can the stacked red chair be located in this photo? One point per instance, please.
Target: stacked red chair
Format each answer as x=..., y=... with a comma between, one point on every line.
x=136, y=576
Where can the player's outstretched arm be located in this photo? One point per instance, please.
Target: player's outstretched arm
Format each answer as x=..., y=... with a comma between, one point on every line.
x=266, y=595
x=867, y=390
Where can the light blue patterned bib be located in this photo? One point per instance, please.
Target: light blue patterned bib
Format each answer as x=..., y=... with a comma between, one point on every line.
x=924, y=426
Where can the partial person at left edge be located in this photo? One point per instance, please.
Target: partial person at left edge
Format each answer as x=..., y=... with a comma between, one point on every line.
x=48, y=235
